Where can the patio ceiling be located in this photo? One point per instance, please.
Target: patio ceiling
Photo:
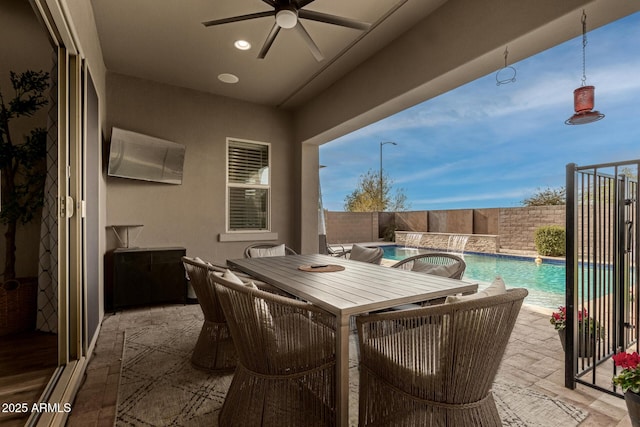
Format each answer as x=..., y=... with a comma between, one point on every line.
x=165, y=41
x=413, y=51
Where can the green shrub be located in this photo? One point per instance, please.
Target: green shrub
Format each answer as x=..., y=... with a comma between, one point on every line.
x=550, y=240
x=389, y=234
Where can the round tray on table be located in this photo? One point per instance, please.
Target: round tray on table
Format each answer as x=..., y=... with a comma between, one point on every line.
x=321, y=268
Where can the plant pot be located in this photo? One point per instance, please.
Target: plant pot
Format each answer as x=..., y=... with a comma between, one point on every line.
x=584, y=348
x=18, y=305
x=633, y=407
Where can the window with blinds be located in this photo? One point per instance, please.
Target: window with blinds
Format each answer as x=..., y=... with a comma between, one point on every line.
x=248, y=185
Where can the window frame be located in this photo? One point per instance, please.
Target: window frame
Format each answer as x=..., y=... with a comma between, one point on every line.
x=229, y=185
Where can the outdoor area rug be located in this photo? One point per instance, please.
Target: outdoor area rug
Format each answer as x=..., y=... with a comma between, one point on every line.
x=159, y=387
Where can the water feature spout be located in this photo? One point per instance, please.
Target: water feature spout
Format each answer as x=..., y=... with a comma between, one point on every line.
x=457, y=243
x=413, y=240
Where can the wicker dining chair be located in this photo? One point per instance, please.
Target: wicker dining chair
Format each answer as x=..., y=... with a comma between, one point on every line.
x=365, y=254
x=338, y=250
x=214, y=350
x=439, y=263
x=244, y=277
x=266, y=249
x=286, y=359
x=435, y=366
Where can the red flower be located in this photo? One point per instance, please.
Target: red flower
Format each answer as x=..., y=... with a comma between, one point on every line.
x=581, y=314
x=559, y=321
x=626, y=360
x=629, y=377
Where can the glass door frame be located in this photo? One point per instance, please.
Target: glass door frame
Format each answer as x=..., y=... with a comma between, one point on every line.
x=72, y=345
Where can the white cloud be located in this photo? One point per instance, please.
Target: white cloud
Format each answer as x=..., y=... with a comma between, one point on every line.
x=461, y=145
x=492, y=195
x=432, y=171
x=543, y=91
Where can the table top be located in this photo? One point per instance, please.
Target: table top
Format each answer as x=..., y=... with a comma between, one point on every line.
x=361, y=287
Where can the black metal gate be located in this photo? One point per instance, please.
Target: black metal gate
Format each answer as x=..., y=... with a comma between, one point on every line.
x=602, y=269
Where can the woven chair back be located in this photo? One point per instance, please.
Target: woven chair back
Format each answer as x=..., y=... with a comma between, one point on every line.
x=275, y=334
x=445, y=356
x=434, y=258
x=247, y=250
x=366, y=254
x=207, y=298
x=286, y=375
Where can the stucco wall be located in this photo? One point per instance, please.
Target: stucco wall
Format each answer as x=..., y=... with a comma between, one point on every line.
x=415, y=220
x=451, y=221
x=192, y=215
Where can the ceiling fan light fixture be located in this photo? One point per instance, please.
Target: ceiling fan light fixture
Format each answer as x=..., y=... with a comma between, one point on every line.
x=288, y=15
x=242, y=45
x=286, y=18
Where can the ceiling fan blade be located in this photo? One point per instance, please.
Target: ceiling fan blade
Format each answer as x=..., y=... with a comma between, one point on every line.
x=333, y=19
x=272, y=3
x=307, y=38
x=303, y=3
x=270, y=38
x=238, y=18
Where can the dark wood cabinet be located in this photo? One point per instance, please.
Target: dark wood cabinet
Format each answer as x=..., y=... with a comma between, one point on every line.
x=144, y=276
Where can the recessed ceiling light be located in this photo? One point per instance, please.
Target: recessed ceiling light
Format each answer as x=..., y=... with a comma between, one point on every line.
x=242, y=44
x=228, y=78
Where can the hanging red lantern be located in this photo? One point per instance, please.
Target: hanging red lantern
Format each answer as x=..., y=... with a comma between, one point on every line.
x=583, y=97
x=583, y=101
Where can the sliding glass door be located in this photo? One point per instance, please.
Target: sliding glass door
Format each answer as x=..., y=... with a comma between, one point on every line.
x=62, y=237
x=58, y=242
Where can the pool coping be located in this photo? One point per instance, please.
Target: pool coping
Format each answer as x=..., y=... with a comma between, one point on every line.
x=549, y=260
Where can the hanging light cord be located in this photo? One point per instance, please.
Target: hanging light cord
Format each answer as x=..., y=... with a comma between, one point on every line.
x=506, y=78
x=583, y=96
x=584, y=48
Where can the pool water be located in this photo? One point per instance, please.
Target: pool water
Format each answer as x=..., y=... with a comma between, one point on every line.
x=545, y=282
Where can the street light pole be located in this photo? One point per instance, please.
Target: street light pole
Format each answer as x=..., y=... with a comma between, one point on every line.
x=381, y=193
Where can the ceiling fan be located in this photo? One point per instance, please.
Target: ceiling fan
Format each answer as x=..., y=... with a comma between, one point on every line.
x=287, y=15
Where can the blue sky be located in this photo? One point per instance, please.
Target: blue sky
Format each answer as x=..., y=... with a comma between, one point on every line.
x=483, y=145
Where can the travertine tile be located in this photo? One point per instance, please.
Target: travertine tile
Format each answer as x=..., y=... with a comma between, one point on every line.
x=533, y=359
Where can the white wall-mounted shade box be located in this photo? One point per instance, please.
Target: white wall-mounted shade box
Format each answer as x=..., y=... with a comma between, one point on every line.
x=136, y=156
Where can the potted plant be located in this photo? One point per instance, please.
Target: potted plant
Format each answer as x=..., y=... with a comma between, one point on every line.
x=585, y=323
x=629, y=380
x=23, y=171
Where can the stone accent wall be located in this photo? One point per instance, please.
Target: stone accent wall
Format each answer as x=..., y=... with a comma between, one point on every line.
x=475, y=242
x=518, y=225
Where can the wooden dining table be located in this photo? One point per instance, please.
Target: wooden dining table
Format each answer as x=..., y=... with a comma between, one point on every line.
x=357, y=288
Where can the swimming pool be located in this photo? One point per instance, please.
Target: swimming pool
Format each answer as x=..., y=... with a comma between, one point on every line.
x=545, y=282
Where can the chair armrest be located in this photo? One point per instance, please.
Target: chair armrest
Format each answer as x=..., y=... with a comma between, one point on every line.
x=342, y=252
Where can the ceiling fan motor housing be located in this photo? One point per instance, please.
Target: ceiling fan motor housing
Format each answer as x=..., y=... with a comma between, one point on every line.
x=287, y=17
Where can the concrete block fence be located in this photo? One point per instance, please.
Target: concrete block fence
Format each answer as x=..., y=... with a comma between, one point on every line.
x=488, y=230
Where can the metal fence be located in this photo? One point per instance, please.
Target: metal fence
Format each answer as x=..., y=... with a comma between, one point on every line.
x=602, y=269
